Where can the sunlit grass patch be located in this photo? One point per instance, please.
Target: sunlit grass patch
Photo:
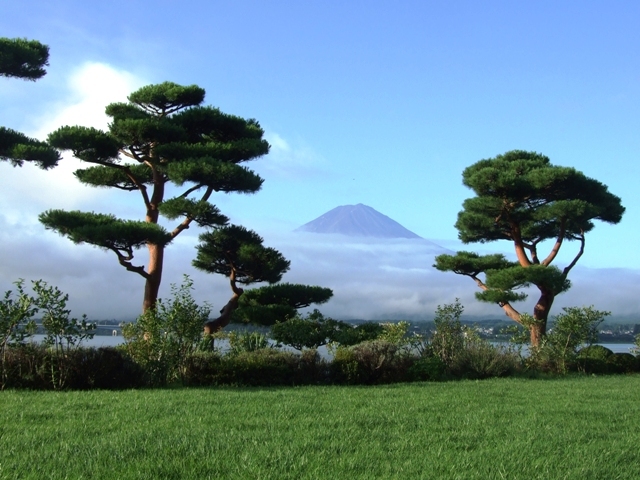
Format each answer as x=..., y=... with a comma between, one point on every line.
x=576, y=427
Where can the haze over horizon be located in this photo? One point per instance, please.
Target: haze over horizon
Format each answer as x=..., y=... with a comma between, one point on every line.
x=383, y=105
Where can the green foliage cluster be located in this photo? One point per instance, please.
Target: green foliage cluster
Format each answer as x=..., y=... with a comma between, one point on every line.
x=63, y=334
x=272, y=304
x=18, y=148
x=576, y=327
x=22, y=58
x=316, y=330
x=163, y=337
x=247, y=342
x=26, y=59
x=236, y=251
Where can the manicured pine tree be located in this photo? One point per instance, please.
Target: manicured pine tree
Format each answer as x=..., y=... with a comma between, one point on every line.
x=162, y=136
x=239, y=254
x=524, y=199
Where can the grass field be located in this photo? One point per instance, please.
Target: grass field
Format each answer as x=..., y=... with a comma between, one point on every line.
x=579, y=427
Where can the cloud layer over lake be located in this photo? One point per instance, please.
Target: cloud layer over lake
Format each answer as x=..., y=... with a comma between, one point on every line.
x=371, y=279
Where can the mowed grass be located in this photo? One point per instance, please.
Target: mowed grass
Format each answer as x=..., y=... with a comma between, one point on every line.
x=580, y=427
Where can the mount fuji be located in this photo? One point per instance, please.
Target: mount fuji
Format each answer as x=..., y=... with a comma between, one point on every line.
x=357, y=221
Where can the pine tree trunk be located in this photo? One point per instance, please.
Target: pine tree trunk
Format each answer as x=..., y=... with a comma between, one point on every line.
x=541, y=314
x=154, y=277
x=226, y=312
x=224, y=318
x=537, y=331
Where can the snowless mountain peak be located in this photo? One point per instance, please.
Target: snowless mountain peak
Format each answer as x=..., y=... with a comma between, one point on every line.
x=357, y=220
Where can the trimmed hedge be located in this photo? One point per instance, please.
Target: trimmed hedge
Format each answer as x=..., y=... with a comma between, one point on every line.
x=263, y=367
x=35, y=367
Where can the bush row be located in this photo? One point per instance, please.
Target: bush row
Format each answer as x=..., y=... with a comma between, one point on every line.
x=36, y=367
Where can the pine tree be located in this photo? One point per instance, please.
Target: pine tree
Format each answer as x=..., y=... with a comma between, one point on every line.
x=524, y=199
x=162, y=136
x=239, y=254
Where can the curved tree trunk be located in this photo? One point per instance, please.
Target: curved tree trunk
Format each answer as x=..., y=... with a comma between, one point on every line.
x=541, y=314
x=225, y=314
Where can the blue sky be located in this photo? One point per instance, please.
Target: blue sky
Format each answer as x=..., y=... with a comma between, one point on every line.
x=378, y=102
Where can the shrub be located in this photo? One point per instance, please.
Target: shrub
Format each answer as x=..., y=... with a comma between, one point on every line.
x=480, y=359
x=426, y=368
x=30, y=367
x=106, y=368
x=622, y=363
x=63, y=333
x=376, y=361
x=246, y=342
x=593, y=359
x=24, y=367
x=163, y=337
x=255, y=368
x=395, y=332
x=16, y=316
x=311, y=331
x=448, y=339
x=364, y=332
x=577, y=326
x=312, y=369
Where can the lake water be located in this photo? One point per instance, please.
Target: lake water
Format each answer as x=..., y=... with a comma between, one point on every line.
x=113, y=341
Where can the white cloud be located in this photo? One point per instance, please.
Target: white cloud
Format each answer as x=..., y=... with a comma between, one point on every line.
x=90, y=89
x=290, y=160
x=278, y=144
x=27, y=191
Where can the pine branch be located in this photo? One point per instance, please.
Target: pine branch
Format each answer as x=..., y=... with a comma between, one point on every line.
x=568, y=268
x=125, y=261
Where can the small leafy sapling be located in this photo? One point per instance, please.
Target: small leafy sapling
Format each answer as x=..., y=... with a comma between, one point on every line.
x=574, y=328
x=162, y=338
x=62, y=332
x=16, y=320
x=448, y=339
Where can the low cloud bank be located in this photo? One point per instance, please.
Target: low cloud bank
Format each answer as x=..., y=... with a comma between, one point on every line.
x=371, y=279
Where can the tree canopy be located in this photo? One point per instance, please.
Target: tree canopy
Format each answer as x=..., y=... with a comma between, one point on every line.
x=239, y=254
x=524, y=199
x=162, y=136
x=22, y=58
x=26, y=59
x=280, y=302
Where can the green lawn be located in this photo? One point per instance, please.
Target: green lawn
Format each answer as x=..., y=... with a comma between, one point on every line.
x=580, y=427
